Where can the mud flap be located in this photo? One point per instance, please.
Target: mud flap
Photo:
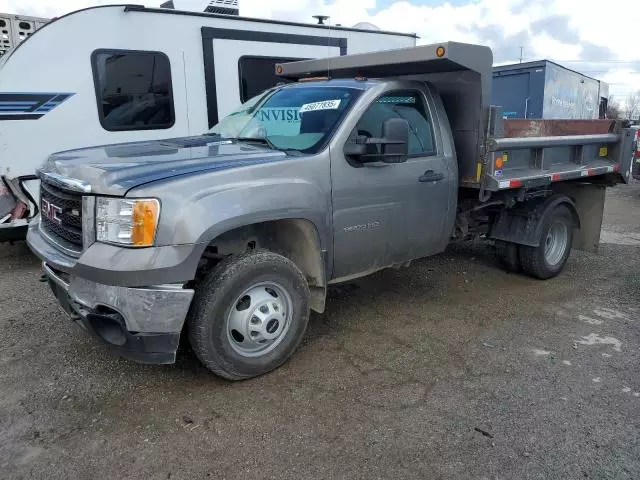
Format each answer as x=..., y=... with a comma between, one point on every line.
x=589, y=203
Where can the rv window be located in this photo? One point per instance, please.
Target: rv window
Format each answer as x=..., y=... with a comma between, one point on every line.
x=133, y=90
x=258, y=73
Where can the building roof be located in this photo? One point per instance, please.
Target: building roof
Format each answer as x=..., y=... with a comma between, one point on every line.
x=536, y=64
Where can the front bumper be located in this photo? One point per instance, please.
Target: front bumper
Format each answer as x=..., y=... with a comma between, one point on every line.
x=141, y=324
x=132, y=300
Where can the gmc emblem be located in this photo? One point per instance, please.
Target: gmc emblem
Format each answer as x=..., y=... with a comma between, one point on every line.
x=51, y=211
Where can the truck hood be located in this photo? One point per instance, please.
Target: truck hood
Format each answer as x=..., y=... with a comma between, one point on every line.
x=116, y=169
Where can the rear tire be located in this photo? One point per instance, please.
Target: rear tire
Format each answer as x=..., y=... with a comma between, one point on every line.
x=249, y=315
x=507, y=254
x=549, y=258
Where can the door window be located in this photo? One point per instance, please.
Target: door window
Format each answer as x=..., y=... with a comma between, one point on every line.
x=408, y=105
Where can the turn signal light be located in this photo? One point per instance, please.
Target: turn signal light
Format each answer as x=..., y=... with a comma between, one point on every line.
x=145, y=218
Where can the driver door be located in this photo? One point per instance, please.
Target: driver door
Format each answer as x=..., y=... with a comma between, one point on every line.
x=388, y=213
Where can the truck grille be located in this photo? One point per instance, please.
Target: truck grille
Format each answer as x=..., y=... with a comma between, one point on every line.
x=61, y=215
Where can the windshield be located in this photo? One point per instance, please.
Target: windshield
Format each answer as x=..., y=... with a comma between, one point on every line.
x=299, y=118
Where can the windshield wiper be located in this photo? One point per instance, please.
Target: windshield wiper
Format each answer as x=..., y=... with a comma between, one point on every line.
x=263, y=140
x=270, y=144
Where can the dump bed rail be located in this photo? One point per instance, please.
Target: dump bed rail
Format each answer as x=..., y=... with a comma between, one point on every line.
x=538, y=161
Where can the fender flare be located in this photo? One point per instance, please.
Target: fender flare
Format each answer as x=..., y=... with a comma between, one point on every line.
x=523, y=224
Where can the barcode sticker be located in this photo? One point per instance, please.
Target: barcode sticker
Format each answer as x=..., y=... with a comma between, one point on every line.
x=326, y=105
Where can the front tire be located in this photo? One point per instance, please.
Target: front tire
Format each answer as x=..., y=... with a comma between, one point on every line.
x=549, y=258
x=249, y=315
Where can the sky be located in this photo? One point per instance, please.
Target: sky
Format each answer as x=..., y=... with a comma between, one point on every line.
x=599, y=39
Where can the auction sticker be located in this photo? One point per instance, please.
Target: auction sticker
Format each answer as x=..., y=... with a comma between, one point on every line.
x=326, y=105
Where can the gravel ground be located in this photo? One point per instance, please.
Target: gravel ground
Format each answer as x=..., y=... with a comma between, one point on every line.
x=449, y=369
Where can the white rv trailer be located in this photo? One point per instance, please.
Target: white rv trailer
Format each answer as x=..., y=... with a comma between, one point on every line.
x=124, y=73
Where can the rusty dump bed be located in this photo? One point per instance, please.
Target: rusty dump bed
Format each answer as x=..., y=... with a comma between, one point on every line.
x=520, y=127
x=493, y=154
x=534, y=153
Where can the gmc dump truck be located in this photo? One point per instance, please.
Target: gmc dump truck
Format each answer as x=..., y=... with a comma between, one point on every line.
x=353, y=164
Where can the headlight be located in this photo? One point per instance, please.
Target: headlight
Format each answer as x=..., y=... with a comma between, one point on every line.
x=124, y=221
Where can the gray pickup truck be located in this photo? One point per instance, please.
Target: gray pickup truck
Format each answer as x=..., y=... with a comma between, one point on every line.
x=231, y=238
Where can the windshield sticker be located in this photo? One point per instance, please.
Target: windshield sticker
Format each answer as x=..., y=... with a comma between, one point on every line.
x=326, y=105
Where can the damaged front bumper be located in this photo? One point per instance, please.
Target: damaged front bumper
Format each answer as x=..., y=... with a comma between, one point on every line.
x=132, y=300
x=141, y=324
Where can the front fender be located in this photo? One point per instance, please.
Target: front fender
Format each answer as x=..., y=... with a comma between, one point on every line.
x=210, y=213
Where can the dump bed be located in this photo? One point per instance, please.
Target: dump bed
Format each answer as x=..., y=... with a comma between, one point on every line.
x=516, y=157
x=487, y=159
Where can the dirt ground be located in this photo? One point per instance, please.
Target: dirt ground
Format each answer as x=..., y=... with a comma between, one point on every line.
x=449, y=369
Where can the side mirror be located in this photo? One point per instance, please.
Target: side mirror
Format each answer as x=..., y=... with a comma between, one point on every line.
x=355, y=147
x=394, y=144
x=395, y=132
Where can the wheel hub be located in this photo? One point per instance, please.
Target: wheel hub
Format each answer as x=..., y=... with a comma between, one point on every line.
x=556, y=243
x=259, y=319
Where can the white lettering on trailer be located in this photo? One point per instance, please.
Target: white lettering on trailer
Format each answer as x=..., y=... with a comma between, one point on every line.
x=326, y=105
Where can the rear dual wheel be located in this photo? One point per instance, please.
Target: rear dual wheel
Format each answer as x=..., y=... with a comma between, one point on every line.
x=507, y=254
x=547, y=259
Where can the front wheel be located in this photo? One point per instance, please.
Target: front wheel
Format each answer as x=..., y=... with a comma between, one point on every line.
x=549, y=258
x=249, y=315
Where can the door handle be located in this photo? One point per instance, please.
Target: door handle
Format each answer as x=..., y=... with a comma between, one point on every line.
x=430, y=176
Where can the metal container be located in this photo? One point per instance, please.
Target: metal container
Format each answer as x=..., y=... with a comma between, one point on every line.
x=546, y=90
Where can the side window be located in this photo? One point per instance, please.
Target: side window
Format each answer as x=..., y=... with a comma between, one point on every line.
x=133, y=90
x=258, y=73
x=401, y=104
